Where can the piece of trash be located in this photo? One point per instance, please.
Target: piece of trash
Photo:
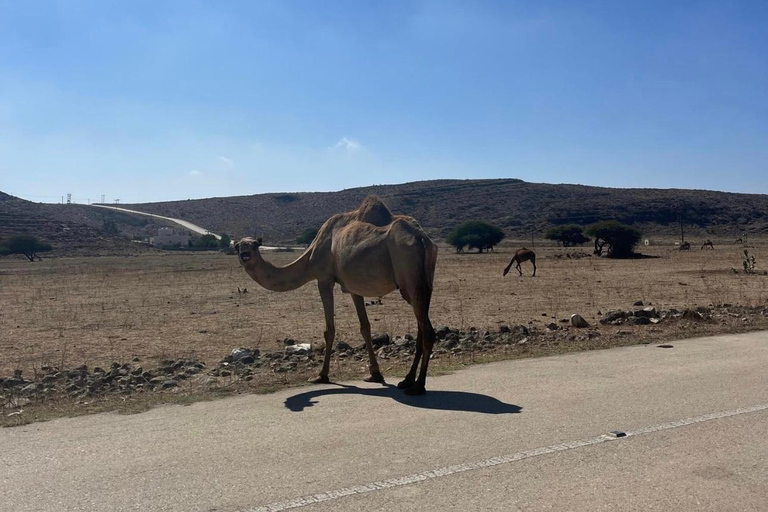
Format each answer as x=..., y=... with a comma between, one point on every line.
x=665, y=346
x=617, y=433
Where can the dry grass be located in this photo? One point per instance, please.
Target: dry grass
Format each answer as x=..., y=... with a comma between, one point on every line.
x=94, y=311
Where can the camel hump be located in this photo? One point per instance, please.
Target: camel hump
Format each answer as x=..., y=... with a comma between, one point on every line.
x=373, y=211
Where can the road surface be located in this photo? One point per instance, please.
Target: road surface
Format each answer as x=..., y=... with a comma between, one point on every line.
x=183, y=223
x=520, y=435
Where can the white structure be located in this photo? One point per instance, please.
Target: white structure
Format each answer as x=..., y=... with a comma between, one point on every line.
x=167, y=237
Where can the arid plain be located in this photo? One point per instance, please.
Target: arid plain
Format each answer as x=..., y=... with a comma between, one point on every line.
x=72, y=311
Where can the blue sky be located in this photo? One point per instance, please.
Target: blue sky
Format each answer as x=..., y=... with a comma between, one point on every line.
x=161, y=100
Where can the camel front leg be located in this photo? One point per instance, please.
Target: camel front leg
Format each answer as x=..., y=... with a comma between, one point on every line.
x=326, y=295
x=365, y=330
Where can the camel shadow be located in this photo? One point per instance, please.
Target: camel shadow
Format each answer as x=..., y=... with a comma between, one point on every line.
x=440, y=400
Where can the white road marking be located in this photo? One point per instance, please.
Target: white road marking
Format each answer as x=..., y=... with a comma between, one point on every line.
x=495, y=461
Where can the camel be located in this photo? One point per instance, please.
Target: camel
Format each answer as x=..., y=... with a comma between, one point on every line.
x=370, y=252
x=521, y=256
x=686, y=246
x=708, y=245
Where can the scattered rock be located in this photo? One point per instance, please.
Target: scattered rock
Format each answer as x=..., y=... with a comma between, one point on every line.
x=578, y=321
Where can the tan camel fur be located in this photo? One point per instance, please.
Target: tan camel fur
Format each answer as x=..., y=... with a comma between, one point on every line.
x=370, y=252
x=521, y=256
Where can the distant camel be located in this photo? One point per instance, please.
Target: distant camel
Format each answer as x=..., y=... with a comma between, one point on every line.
x=370, y=252
x=685, y=246
x=521, y=256
x=708, y=244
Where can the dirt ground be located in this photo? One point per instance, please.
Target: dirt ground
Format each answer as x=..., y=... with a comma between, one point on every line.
x=93, y=311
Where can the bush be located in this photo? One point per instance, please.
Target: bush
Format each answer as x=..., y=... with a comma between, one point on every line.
x=225, y=242
x=568, y=235
x=620, y=238
x=27, y=245
x=475, y=234
x=206, y=242
x=307, y=236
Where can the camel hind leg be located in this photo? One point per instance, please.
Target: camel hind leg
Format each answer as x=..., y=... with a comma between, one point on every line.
x=365, y=330
x=533, y=262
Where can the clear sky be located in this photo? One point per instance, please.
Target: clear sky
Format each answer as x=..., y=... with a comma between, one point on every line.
x=148, y=100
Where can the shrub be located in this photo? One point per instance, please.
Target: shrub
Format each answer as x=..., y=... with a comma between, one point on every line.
x=568, y=235
x=27, y=245
x=307, y=236
x=475, y=234
x=620, y=238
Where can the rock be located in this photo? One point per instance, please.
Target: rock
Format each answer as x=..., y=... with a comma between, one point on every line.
x=520, y=330
x=690, y=314
x=655, y=320
x=442, y=331
x=578, y=321
x=638, y=303
x=244, y=355
x=649, y=312
x=523, y=341
x=504, y=329
x=343, y=346
x=379, y=340
x=300, y=349
x=170, y=384
x=613, y=316
x=638, y=320
x=289, y=342
x=29, y=389
x=553, y=327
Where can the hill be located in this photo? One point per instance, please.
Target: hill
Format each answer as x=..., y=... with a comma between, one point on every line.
x=518, y=207
x=70, y=229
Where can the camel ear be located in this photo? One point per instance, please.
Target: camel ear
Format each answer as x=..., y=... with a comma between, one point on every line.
x=258, y=240
x=237, y=246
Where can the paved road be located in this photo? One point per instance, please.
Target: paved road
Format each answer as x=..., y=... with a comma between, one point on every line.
x=188, y=225
x=522, y=435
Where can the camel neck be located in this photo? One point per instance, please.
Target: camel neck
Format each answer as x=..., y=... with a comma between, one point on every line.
x=280, y=279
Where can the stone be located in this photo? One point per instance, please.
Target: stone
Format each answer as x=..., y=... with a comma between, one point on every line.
x=503, y=329
x=379, y=340
x=578, y=321
x=298, y=349
x=638, y=320
x=612, y=316
x=170, y=384
x=442, y=331
x=638, y=303
x=343, y=346
x=690, y=314
x=553, y=327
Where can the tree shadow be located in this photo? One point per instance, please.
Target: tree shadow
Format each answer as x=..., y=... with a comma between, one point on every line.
x=440, y=400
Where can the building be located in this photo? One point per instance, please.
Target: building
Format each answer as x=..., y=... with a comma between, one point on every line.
x=168, y=237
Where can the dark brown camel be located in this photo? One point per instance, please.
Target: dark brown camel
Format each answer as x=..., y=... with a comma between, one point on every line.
x=521, y=256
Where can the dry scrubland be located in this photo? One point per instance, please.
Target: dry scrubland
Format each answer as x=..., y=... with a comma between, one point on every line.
x=93, y=311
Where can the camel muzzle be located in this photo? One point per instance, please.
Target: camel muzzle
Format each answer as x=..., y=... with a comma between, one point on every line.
x=245, y=256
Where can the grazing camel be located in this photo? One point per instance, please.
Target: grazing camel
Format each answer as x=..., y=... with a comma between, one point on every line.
x=370, y=252
x=708, y=245
x=521, y=256
x=685, y=246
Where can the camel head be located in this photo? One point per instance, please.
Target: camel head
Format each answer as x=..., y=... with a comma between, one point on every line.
x=246, y=247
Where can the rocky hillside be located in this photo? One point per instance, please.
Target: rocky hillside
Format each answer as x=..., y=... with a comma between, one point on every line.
x=71, y=229
x=516, y=206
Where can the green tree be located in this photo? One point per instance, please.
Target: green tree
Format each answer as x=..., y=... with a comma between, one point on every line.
x=475, y=235
x=206, y=242
x=307, y=236
x=27, y=245
x=225, y=242
x=620, y=238
x=568, y=235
